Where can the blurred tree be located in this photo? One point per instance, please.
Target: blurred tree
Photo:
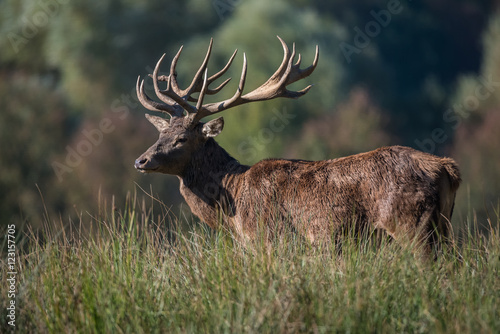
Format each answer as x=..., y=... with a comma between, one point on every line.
x=248, y=134
x=68, y=66
x=357, y=125
x=476, y=117
x=409, y=65
x=33, y=123
x=65, y=67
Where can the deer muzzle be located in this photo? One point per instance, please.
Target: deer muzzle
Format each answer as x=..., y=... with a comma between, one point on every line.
x=146, y=165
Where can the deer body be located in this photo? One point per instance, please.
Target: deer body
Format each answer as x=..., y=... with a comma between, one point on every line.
x=405, y=192
x=396, y=189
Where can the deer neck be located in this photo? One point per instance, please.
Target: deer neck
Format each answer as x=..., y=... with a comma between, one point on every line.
x=209, y=182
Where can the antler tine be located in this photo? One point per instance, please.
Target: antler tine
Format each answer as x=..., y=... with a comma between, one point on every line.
x=211, y=91
x=288, y=69
x=213, y=78
x=158, y=92
x=152, y=105
x=202, y=92
x=224, y=69
x=290, y=72
x=175, y=96
x=144, y=99
x=284, y=63
x=195, y=83
x=295, y=74
x=218, y=88
x=275, y=86
x=236, y=99
x=298, y=74
x=299, y=59
x=169, y=96
x=173, y=82
x=299, y=93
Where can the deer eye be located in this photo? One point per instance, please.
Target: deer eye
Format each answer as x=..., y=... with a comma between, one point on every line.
x=179, y=141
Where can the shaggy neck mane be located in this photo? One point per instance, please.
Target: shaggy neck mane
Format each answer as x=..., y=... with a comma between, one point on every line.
x=210, y=181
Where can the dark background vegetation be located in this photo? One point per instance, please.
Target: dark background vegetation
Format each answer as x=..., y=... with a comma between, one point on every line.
x=68, y=66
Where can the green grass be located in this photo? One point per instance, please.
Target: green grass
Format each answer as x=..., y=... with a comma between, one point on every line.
x=127, y=275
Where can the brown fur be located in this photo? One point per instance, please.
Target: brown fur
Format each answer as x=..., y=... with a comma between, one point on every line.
x=405, y=192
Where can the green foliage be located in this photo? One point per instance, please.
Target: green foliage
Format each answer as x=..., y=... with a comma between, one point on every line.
x=67, y=65
x=130, y=275
x=264, y=53
x=477, y=136
x=356, y=126
x=26, y=149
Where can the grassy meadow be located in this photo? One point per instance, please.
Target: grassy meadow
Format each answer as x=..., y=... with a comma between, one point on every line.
x=139, y=272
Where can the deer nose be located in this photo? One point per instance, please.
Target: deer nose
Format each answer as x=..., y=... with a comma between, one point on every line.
x=139, y=163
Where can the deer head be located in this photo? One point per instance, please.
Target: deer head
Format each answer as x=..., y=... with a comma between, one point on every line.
x=184, y=134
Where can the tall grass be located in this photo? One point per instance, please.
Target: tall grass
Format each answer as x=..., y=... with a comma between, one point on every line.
x=128, y=275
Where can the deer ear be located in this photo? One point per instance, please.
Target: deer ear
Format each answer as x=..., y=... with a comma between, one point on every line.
x=159, y=123
x=213, y=127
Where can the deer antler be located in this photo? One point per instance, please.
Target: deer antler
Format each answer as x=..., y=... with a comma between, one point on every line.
x=175, y=100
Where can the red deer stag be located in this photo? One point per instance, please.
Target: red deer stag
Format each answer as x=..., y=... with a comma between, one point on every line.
x=397, y=189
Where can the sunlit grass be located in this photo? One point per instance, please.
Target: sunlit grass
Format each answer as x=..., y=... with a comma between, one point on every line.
x=127, y=274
